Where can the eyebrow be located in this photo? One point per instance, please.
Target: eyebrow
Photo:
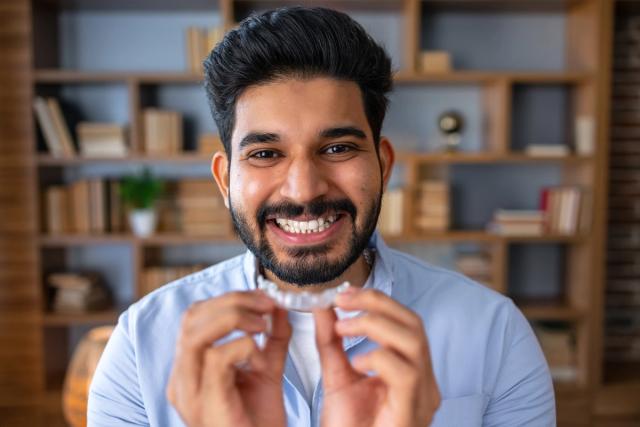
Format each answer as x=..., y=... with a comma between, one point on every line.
x=257, y=138
x=266, y=137
x=338, y=132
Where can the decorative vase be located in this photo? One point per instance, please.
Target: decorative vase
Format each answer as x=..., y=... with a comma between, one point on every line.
x=142, y=222
x=79, y=374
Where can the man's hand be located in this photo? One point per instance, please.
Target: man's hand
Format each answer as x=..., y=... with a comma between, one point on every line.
x=403, y=392
x=235, y=383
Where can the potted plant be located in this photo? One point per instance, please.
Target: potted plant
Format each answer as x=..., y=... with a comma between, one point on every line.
x=140, y=193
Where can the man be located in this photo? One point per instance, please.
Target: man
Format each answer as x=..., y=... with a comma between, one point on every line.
x=299, y=97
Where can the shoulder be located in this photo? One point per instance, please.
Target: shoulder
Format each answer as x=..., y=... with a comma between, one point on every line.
x=425, y=287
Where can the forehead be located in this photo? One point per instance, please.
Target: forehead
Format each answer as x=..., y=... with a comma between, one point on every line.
x=296, y=108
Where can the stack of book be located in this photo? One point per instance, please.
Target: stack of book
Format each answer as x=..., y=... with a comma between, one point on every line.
x=558, y=346
x=391, y=221
x=200, y=42
x=433, y=206
x=201, y=208
x=101, y=139
x=476, y=266
x=78, y=293
x=54, y=127
x=563, y=210
x=209, y=143
x=162, y=131
x=511, y=222
x=155, y=277
x=85, y=206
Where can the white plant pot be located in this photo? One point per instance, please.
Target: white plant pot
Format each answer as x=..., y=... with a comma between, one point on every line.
x=142, y=222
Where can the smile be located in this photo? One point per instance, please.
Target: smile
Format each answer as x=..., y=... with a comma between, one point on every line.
x=316, y=225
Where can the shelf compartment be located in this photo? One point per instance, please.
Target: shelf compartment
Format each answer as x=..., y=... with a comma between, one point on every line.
x=486, y=157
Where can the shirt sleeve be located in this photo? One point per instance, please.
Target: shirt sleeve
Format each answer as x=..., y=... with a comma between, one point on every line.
x=523, y=394
x=114, y=394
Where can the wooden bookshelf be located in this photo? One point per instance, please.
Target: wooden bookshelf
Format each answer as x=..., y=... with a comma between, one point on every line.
x=585, y=75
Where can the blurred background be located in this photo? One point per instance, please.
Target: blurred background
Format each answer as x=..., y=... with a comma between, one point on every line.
x=517, y=127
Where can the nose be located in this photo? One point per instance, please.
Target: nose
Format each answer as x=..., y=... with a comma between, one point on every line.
x=304, y=182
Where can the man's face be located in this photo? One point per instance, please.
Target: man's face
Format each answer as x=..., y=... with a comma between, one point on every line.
x=305, y=181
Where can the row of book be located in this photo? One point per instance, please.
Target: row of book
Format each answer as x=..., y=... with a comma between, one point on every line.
x=84, y=206
x=201, y=209
x=155, y=277
x=94, y=139
x=77, y=293
x=563, y=211
x=200, y=41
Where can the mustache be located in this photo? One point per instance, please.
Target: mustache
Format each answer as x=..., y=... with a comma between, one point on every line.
x=314, y=208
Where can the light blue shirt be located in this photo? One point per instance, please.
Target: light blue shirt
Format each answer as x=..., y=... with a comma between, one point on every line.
x=487, y=362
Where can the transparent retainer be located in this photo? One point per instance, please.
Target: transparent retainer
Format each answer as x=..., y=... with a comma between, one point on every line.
x=301, y=301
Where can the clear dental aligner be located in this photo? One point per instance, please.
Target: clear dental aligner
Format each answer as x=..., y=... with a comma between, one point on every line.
x=301, y=301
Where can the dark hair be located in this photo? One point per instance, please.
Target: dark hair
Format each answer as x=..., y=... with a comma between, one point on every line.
x=298, y=42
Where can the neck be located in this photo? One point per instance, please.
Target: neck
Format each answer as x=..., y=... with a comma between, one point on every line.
x=356, y=275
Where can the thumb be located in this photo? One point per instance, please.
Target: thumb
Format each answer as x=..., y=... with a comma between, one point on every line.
x=336, y=369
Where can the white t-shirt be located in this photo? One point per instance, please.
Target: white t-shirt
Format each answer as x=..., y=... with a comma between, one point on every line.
x=302, y=346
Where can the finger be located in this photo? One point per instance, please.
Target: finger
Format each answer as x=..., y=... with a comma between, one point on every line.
x=204, y=313
x=202, y=324
x=221, y=362
x=372, y=300
x=336, y=369
x=388, y=333
x=399, y=375
x=277, y=345
x=408, y=386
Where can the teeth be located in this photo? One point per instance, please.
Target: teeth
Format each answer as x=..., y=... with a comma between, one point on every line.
x=305, y=227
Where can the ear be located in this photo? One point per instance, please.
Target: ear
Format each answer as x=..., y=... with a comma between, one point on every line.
x=387, y=160
x=220, y=172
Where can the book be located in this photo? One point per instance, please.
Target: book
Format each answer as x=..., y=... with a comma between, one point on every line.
x=162, y=131
x=80, y=203
x=56, y=210
x=101, y=139
x=48, y=128
x=60, y=125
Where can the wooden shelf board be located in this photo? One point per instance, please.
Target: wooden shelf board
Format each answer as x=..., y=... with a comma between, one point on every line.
x=65, y=240
x=138, y=5
x=501, y=5
x=549, y=311
x=475, y=158
x=480, y=76
x=186, y=158
x=479, y=236
x=80, y=76
x=59, y=319
x=54, y=240
x=181, y=239
x=403, y=77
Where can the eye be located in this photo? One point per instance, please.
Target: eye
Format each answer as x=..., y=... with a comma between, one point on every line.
x=338, y=149
x=264, y=154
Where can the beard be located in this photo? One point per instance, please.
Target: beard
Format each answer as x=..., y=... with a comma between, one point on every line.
x=306, y=265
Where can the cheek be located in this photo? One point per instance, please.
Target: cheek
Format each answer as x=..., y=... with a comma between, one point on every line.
x=247, y=190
